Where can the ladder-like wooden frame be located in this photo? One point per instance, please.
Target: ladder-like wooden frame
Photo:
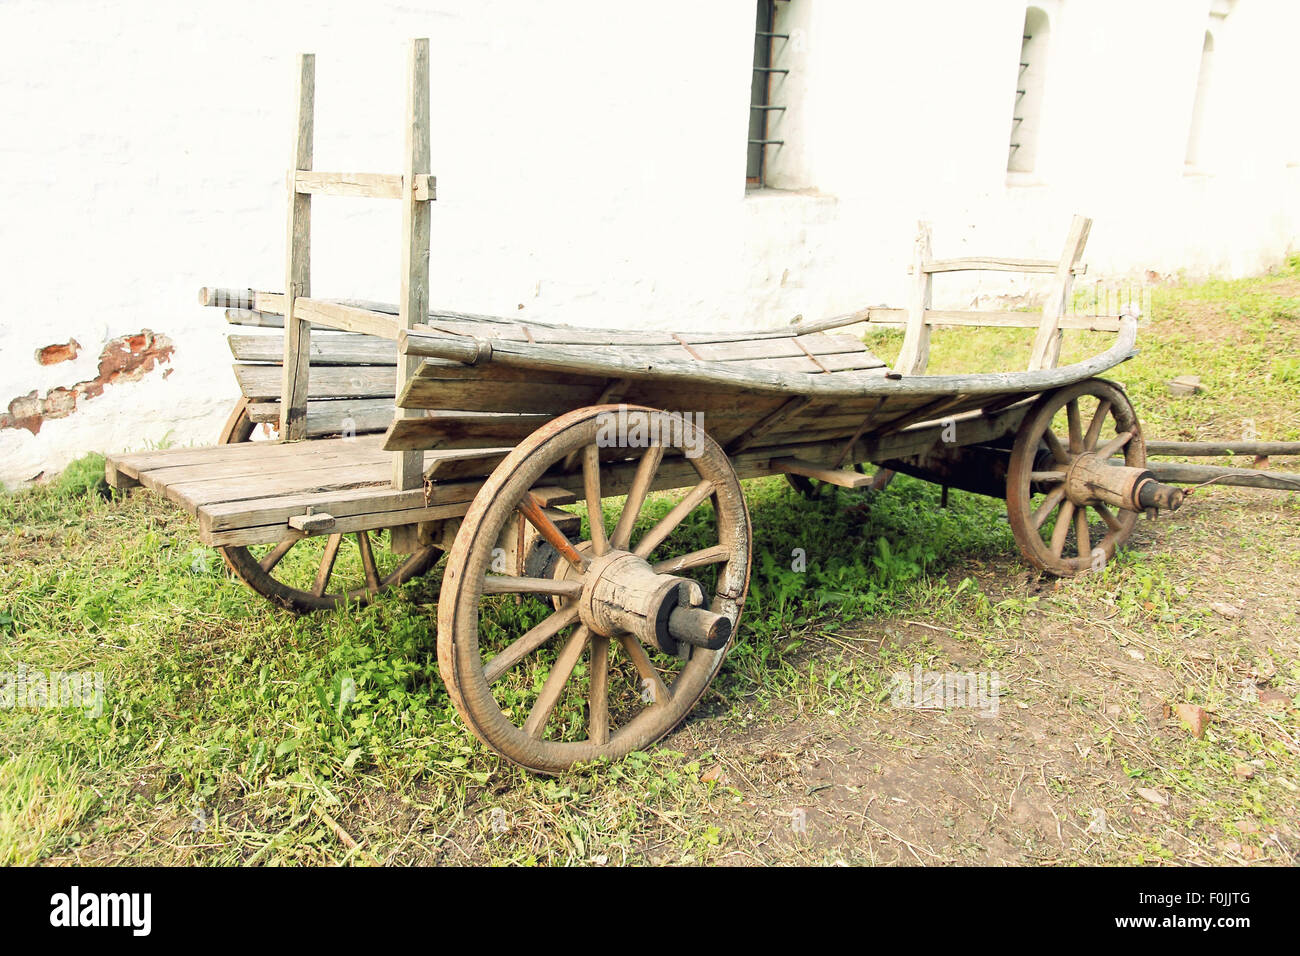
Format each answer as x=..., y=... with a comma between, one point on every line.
x=915, y=353
x=416, y=189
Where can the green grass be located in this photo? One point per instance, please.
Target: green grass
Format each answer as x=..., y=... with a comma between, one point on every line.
x=229, y=726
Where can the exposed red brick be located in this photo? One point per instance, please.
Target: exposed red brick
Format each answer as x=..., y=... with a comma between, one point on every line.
x=127, y=358
x=54, y=354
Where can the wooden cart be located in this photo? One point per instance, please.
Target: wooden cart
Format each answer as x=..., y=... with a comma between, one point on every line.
x=526, y=453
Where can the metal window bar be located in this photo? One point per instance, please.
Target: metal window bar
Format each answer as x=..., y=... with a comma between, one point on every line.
x=760, y=105
x=1016, y=118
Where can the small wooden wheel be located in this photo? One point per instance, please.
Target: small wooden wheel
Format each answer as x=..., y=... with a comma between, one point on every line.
x=305, y=580
x=239, y=426
x=304, y=574
x=1059, y=524
x=611, y=647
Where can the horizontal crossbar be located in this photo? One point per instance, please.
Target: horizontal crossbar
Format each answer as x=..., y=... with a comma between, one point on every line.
x=367, y=185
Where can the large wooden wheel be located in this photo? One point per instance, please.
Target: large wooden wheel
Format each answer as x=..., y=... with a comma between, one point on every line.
x=1068, y=510
x=612, y=643
x=322, y=572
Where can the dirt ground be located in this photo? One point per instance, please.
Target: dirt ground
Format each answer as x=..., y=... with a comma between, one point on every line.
x=1086, y=722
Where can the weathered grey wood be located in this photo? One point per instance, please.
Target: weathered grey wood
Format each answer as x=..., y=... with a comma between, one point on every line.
x=955, y=318
x=262, y=383
x=362, y=185
x=413, y=305
x=1196, y=449
x=297, y=280
x=811, y=469
x=355, y=416
x=266, y=320
x=448, y=429
x=344, y=318
x=997, y=264
x=669, y=374
x=1184, y=473
x=325, y=349
x=1046, y=351
x=914, y=356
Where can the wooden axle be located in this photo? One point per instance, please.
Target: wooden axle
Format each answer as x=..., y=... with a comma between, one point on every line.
x=1091, y=479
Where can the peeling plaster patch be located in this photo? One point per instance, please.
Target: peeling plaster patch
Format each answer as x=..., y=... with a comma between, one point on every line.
x=53, y=354
x=127, y=358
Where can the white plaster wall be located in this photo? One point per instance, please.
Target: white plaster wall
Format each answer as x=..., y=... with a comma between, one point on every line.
x=590, y=166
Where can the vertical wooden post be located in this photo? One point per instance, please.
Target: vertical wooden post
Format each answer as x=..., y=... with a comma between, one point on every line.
x=413, y=305
x=297, y=278
x=915, y=354
x=1047, y=343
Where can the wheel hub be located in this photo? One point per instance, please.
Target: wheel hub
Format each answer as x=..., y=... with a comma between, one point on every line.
x=1091, y=479
x=623, y=594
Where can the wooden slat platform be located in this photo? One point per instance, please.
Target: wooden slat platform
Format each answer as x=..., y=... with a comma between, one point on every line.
x=245, y=493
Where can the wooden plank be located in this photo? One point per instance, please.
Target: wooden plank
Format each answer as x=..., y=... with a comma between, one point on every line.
x=355, y=416
x=325, y=349
x=915, y=353
x=996, y=264
x=253, y=317
x=297, y=280
x=367, y=521
x=339, y=454
x=345, y=318
x=811, y=469
x=365, y=185
x=227, y=298
x=1187, y=473
x=1011, y=320
x=447, y=428
x=1046, y=351
x=134, y=463
x=413, y=306
x=1194, y=449
x=260, y=383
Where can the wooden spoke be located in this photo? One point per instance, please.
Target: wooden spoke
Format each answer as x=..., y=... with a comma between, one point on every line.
x=1076, y=428
x=326, y=565
x=1095, y=426
x=532, y=509
x=1082, y=537
x=531, y=640
x=591, y=484
x=1063, y=518
x=560, y=673
x=1043, y=510
x=1047, y=476
x=275, y=556
x=1114, y=445
x=659, y=692
x=669, y=522
x=641, y=482
x=695, y=559
x=1061, y=456
x=368, y=561
x=598, y=692
x=1108, y=516
x=509, y=584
